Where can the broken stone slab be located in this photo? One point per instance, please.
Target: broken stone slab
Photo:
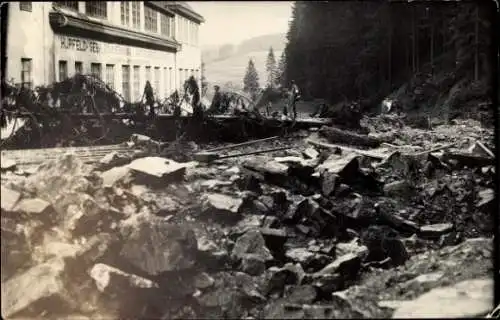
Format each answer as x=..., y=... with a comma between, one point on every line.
x=487, y=197
x=434, y=231
x=396, y=222
x=469, y=160
x=9, y=198
x=343, y=166
x=221, y=207
x=311, y=153
x=157, y=171
x=469, y=298
x=275, y=238
x=266, y=165
x=352, y=247
x=329, y=182
x=115, y=282
x=113, y=159
x=252, y=242
x=334, y=135
x=348, y=265
x=118, y=174
x=41, y=288
x=327, y=283
x=155, y=246
x=35, y=209
x=301, y=208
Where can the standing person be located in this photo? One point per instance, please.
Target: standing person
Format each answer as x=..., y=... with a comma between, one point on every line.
x=295, y=96
x=215, y=106
x=150, y=100
x=193, y=89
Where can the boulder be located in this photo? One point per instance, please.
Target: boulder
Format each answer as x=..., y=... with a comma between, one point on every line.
x=266, y=166
x=221, y=207
x=348, y=265
x=155, y=246
x=116, y=175
x=278, y=278
x=300, y=255
x=15, y=248
x=329, y=182
x=303, y=294
x=252, y=242
x=113, y=159
x=35, y=209
x=40, y=289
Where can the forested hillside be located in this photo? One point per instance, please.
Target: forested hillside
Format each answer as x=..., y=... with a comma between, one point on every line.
x=424, y=53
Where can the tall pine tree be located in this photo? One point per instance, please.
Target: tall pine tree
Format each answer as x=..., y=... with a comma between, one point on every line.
x=271, y=69
x=251, y=80
x=280, y=71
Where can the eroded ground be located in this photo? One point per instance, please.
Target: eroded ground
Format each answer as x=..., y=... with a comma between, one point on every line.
x=307, y=232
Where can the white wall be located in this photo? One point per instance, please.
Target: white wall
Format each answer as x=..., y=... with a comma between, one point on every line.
x=29, y=36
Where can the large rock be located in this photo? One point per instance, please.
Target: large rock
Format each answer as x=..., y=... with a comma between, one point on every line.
x=278, y=278
x=41, y=288
x=15, y=248
x=113, y=159
x=221, y=207
x=34, y=209
x=155, y=246
x=266, y=166
x=470, y=298
x=156, y=171
x=9, y=198
x=116, y=175
x=252, y=242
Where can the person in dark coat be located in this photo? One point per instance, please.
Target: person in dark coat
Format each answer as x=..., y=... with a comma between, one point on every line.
x=193, y=89
x=295, y=96
x=215, y=106
x=150, y=100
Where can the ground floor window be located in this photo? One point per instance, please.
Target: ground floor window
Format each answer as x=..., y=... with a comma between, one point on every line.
x=95, y=70
x=26, y=69
x=137, y=82
x=110, y=75
x=63, y=70
x=126, y=82
x=78, y=67
x=157, y=79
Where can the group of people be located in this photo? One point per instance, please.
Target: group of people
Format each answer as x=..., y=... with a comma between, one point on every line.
x=221, y=102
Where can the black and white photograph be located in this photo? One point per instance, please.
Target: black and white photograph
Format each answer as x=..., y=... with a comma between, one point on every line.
x=249, y=159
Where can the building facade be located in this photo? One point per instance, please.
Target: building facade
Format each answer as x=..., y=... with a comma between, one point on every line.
x=125, y=43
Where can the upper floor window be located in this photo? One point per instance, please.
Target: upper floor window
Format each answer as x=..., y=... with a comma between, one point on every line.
x=73, y=5
x=96, y=9
x=136, y=15
x=125, y=13
x=25, y=6
x=150, y=19
x=166, y=25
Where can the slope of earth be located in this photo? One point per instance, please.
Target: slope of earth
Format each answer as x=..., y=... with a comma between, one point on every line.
x=298, y=233
x=232, y=69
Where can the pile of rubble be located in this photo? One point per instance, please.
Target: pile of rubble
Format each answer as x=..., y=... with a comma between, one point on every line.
x=304, y=233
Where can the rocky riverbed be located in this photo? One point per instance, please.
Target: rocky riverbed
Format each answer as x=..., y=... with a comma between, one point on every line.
x=307, y=232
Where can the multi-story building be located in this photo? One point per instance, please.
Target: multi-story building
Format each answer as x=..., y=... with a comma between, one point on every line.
x=124, y=43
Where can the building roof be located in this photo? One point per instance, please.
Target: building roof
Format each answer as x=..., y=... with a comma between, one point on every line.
x=182, y=7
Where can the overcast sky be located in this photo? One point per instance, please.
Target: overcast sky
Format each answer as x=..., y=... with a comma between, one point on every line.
x=235, y=21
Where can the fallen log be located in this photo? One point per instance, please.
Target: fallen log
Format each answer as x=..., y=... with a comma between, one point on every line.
x=335, y=135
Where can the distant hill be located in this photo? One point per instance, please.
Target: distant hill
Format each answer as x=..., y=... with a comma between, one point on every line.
x=227, y=63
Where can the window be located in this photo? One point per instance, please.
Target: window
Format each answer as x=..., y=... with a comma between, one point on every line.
x=170, y=79
x=148, y=74
x=95, y=70
x=137, y=82
x=63, y=70
x=165, y=25
x=25, y=6
x=96, y=9
x=110, y=75
x=157, y=79
x=136, y=15
x=26, y=73
x=73, y=5
x=78, y=67
x=150, y=19
x=165, y=81
x=125, y=13
x=126, y=82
